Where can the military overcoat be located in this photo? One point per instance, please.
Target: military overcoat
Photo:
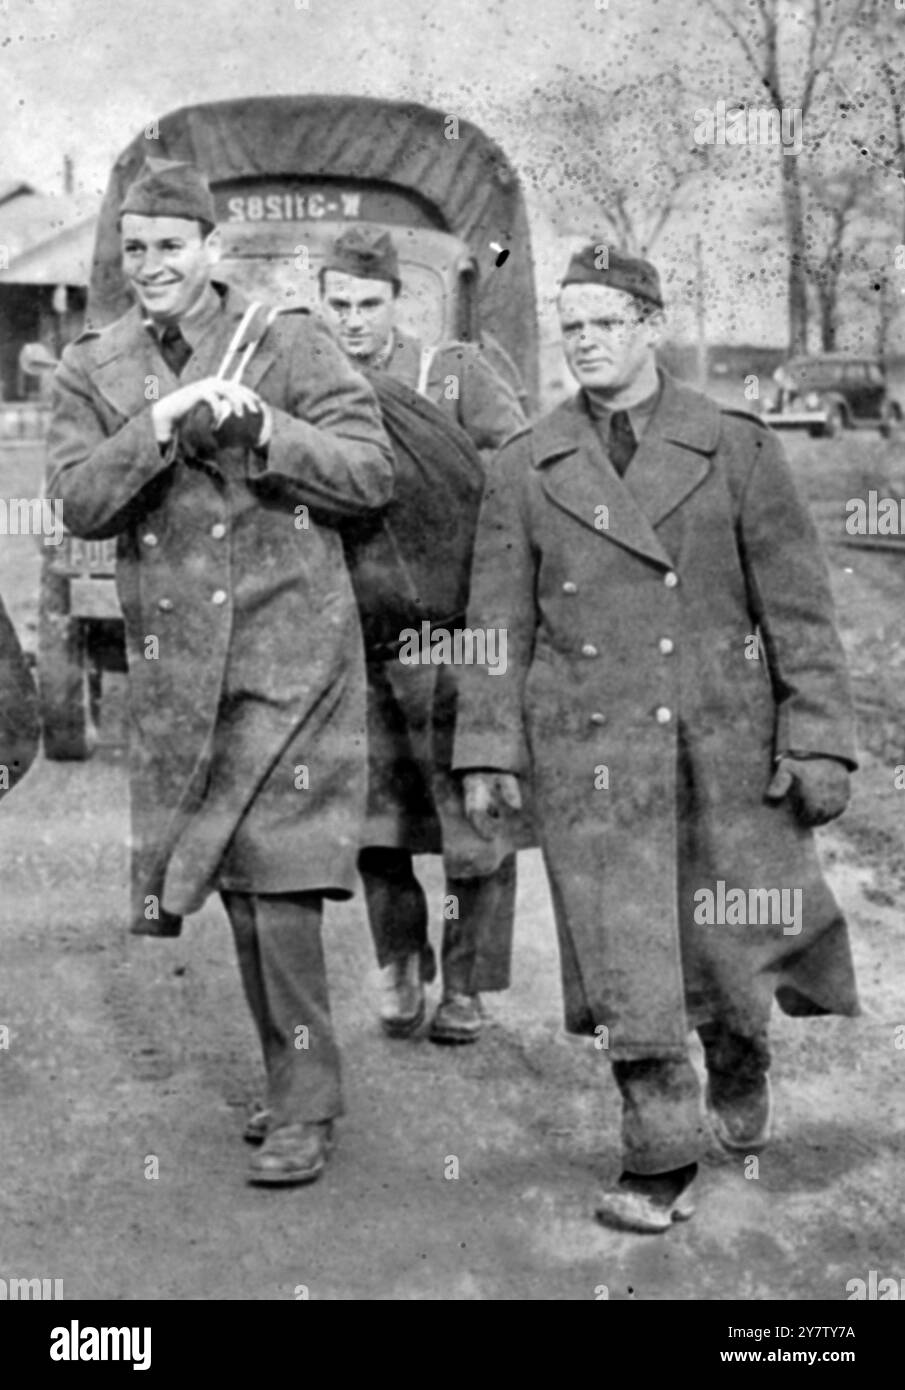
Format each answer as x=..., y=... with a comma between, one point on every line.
x=669, y=633
x=246, y=673
x=414, y=801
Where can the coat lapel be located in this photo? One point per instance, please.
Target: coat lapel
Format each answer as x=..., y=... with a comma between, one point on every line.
x=125, y=358
x=211, y=349
x=671, y=461
x=579, y=478
x=673, y=454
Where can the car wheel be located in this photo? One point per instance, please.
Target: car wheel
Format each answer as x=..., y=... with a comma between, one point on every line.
x=890, y=420
x=834, y=423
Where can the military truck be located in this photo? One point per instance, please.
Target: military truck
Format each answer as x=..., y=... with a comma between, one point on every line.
x=287, y=174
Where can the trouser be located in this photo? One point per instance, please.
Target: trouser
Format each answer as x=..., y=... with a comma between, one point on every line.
x=476, y=948
x=662, y=1127
x=281, y=959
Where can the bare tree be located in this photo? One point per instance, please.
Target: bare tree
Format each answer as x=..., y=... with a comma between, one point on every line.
x=871, y=86
x=839, y=198
x=810, y=34
x=623, y=158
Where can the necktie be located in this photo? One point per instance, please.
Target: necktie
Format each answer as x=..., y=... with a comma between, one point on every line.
x=174, y=349
x=622, y=442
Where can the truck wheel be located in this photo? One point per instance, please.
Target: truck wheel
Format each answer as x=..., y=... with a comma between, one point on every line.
x=64, y=675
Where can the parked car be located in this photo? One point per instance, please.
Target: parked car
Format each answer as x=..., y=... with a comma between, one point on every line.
x=833, y=391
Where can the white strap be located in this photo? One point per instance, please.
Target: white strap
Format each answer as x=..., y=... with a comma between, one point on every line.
x=250, y=348
x=236, y=339
x=427, y=358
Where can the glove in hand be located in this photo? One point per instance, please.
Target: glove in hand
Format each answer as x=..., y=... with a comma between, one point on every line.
x=818, y=788
x=201, y=438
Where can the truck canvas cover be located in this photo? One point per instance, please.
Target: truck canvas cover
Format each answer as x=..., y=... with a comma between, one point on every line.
x=276, y=147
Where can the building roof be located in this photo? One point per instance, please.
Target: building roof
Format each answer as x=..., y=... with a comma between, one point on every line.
x=13, y=188
x=47, y=240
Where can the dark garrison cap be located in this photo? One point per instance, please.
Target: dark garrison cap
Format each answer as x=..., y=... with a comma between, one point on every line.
x=170, y=188
x=596, y=264
x=366, y=252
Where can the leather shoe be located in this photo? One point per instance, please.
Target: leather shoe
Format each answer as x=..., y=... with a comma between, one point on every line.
x=624, y=1210
x=402, y=996
x=745, y=1124
x=459, y=1019
x=256, y=1125
x=292, y=1154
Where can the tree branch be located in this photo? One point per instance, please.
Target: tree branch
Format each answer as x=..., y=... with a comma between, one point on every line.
x=737, y=34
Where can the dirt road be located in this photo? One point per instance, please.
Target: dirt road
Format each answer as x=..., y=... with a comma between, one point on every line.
x=124, y=1051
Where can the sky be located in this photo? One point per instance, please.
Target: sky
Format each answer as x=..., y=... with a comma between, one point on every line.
x=85, y=75
x=82, y=77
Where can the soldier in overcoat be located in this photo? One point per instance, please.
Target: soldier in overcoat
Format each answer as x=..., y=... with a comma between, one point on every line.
x=246, y=671
x=414, y=804
x=678, y=696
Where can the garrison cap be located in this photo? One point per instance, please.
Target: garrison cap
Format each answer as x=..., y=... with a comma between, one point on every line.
x=366, y=252
x=596, y=264
x=170, y=188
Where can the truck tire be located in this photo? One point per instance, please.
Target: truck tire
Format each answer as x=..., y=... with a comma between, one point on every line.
x=67, y=688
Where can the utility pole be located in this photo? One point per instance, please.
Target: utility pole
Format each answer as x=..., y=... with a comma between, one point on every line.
x=700, y=311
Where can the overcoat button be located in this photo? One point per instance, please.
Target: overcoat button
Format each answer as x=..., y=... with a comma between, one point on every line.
x=670, y=579
x=165, y=605
x=598, y=718
x=588, y=650
x=218, y=530
x=663, y=715
x=569, y=587
x=149, y=539
x=218, y=597
x=666, y=645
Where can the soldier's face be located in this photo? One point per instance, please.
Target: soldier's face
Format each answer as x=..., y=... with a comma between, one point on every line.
x=361, y=312
x=168, y=262
x=606, y=341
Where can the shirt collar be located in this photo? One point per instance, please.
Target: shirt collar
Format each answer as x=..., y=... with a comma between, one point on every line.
x=639, y=415
x=197, y=321
x=383, y=355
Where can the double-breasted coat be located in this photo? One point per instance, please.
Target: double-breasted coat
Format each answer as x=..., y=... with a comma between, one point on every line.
x=246, y=671
x=669, y=633
x=415, y=803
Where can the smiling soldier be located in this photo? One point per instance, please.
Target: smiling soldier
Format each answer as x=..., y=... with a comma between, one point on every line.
x=246, y=668
x=636, y=543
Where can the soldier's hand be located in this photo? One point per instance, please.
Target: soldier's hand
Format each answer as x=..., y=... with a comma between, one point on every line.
x=222, y=398
x=249, y=423
x=485, y=794
x=818, y=788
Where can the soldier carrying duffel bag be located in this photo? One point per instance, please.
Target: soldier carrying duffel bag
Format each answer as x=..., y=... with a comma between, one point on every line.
x=410, y=565
x=410, y=568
